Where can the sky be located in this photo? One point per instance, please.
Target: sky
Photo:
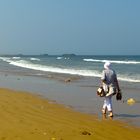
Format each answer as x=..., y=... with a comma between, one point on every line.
x=91, y=27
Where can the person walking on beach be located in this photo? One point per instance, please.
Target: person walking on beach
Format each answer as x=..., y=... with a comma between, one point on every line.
x=110, y=85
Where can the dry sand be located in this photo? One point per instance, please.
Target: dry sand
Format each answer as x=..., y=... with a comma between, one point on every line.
x=24, y=116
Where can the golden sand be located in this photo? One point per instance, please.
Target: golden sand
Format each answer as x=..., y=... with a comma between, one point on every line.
x=24, y=116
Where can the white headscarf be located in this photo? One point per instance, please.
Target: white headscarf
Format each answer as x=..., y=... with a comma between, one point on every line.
x=107, y=65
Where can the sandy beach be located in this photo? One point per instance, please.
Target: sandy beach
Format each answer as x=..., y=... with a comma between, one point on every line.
x=25, y=116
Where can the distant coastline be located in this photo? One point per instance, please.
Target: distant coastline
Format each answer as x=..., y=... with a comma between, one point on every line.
x=22, y=55
x=34, y=55
x=63, y=55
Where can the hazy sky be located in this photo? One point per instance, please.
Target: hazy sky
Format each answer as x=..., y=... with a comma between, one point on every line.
x=70, y=26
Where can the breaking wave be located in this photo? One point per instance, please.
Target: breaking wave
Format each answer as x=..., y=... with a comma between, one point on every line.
x=112, y=61
x=73, y=71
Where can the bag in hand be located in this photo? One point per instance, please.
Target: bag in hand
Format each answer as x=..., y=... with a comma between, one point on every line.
x=119, y=95
x=101, y=92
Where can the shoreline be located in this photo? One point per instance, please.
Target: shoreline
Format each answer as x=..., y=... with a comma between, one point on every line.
x=79, y=94
x=28, y=116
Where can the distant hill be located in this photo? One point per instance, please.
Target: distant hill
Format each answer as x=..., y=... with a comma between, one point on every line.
x=68, y=55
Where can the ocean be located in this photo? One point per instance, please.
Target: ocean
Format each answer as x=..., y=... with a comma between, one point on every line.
x=126, y=67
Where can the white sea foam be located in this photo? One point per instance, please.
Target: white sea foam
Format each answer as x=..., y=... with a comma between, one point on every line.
x=112, y=61
x=62, y=58
x=35, y=59
x=129, y=78
x=59, y=58
x=6, y=59
x=15, y=57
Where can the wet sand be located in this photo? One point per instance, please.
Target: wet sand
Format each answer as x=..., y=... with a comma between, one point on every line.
x=78, y=94
x=25, y=116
